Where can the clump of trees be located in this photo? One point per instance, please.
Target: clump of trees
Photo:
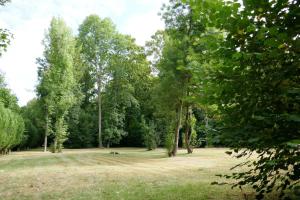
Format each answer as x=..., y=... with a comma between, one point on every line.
x=239, y=64
x=11, y=122
x=178, y=57
x=253, y=79
x=98, y=88
x=94, y=88
x=11, y=129
x=221, y=73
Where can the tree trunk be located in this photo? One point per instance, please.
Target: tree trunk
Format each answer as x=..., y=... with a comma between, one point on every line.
x=188, y=141
x=178, y=125
x=46, y=132
x=100, y=145
x=55, y=145
x=187, y=136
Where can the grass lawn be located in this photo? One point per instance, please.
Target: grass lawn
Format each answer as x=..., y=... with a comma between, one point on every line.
x=133, y=174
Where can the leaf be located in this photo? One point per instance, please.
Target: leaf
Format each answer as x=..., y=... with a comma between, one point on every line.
x=281, y=46
x=237, y=55
x=271, y=42
x=241, y=32
x=180, y=67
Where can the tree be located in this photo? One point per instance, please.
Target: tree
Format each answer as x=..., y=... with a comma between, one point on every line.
x=33, y=116
x=43, y=94
x=11, y=129
x=82, y=117
x=178, y=82
x=57, y=81
x=128, y=74
x=7, y=99
x=151, y=139
x=11, y=122
x=96, y=36
x=253, y=80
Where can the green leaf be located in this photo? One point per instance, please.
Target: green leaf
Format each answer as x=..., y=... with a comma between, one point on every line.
x=237, y=55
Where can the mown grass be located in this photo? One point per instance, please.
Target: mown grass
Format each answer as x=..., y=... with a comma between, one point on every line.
x=133, y=174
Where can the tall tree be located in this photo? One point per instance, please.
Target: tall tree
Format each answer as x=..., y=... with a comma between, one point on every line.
x=57, y=81
x=176, y=67
x=96, y=37
x=129, y=72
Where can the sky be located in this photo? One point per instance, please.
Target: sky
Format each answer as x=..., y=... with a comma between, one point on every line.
x=28, y=21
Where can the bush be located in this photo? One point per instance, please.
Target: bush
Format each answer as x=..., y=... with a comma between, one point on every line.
x=11, y=129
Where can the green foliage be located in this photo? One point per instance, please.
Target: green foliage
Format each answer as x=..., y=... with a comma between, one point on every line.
x=193, y=133
x=5, y=35
x=150, y=136
x=169, y=140
x=122, y=76
x=60, y=135
x=114, y=116
x=82, y=126
x=253, y=79
x=81, y=119
x=7, y=99
x=11, y=122
x=177, y=54
x=11, y=129
x=57, y=78
x=34, y=120
x=96, y=37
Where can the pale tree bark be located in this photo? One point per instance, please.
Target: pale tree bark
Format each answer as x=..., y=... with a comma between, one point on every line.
x=100, y=145
x=178, y=125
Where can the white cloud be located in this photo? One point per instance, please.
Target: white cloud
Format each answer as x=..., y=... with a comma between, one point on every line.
x=29, y=19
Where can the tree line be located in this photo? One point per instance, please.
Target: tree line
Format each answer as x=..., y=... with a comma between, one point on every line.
x=222, y=73
x=97, y=89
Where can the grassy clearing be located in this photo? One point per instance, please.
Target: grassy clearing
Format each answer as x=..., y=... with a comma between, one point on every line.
x=133, y=174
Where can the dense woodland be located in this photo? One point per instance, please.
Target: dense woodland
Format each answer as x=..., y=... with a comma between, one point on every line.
x=222, y=73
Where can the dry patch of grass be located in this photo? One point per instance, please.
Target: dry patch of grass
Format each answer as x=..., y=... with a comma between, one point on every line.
x=133, y=174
